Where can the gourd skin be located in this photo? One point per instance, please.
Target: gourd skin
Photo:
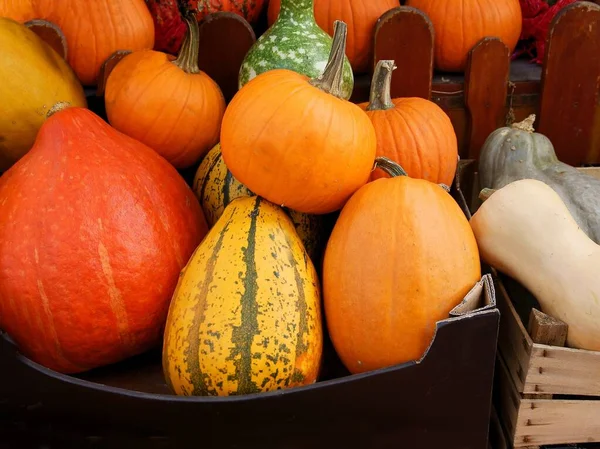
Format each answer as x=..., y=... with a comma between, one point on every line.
x=94, y=230
x=294, y=42
x=511, y=154
x=246, y=315
x=401, y=256
x=525, y=231
x=34, y=78
x=216, y=187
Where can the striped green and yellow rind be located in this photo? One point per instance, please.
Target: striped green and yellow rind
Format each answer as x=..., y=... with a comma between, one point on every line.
x=294, y=42
x=216, y=187
x=246, y=314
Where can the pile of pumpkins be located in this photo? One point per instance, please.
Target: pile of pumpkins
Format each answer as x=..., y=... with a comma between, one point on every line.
x=106, y=252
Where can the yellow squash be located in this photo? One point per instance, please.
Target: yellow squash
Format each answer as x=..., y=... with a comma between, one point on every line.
x=216, y=187
x=33, y=79
x=246, y=315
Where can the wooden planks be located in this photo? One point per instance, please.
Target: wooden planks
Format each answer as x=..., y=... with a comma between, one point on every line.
x=486, y=85
x=569, y=101
x=406, y=35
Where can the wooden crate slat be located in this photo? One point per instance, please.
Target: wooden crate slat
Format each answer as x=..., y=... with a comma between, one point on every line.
x=509, y=399
x=405, y=35
x=555, y=370
x=486, y=86
x=569, y=97
x=551, y=421
x=513, y=340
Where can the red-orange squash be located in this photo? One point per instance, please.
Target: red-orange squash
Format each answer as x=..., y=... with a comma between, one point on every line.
x=171, y=106
x=19, y=10
x=414, y=132
x=96, y=29
x=460, y=24
x=360, y=16
x=401, y=256
x=248, y=9
x=295, y=141
x=95, y=228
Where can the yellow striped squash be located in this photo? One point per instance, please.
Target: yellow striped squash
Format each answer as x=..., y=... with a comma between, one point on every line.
x=246, y=315
x=216, y=187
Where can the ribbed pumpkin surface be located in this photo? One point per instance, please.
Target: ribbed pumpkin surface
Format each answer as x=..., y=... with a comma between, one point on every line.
x=245, y=317
x=216, y=187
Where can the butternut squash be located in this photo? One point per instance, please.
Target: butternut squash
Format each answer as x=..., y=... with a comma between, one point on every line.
x=526, y=231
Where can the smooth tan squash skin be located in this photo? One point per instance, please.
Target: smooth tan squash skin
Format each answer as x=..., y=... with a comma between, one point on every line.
x=33, y=79
x=526, y=231
x=246, y=315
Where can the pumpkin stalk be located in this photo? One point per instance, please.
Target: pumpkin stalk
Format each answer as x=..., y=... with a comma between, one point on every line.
x=380, y=98
x=525, y=125
x=389, y=166
x=486, y=193
x=188, y=55
x=331, y=79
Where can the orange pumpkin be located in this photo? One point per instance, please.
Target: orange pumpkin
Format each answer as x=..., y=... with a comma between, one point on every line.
x=95, y=228
x=460, y=24
x=295, y=141
x=19, y=10
x=401, y=256
x=414, y=132
x=361, y=17
x=96, y=29
x=178, y=108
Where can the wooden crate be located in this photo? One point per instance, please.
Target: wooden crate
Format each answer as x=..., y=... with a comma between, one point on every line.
x=545, y=394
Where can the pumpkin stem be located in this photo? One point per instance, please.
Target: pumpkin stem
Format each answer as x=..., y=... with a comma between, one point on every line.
x=525, y=125
x=330, y=80
x=57, y=107
x=381, y=98
x=486, y=193
x=188, y=55
x=389, y=166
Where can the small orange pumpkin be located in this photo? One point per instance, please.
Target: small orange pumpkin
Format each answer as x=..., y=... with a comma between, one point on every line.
x=414, y=132
x=178, y=108
x=401, y=256
x=96, y=29
x=19, y=10
x=460, y=24
x=295, y=141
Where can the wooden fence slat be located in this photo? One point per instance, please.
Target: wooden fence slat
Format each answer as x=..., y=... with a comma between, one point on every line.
x=570, y=82
x=406, y=35
x=225, y=38
x=486, y=86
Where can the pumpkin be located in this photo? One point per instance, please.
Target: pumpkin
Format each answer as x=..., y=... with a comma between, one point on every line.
x=216, y=187
x=360, y=15
x=525, y=231
x=294, y=42
x=34, y=77
x=169, y=26
x=94, y=230
x=414, y=132
x=401, y=256
x=19, y=10
x=248, y=9
x=178, y=108
x=286, y=137
x=459, y=25
x=517, y=152
x=245, y=317
x=95, y=30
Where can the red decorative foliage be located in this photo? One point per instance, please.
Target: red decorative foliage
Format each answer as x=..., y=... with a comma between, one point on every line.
x=537, y=17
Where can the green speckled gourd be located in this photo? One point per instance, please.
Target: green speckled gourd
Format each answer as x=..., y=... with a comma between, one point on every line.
x=517, y=152
x=294, y=42
x=216, y=187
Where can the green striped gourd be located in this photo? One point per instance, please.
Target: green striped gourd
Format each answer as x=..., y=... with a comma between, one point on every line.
x=246, y=315
x=294, y=42
x=216, y=187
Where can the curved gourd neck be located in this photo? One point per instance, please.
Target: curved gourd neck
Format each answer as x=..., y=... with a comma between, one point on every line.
x=297, y=10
